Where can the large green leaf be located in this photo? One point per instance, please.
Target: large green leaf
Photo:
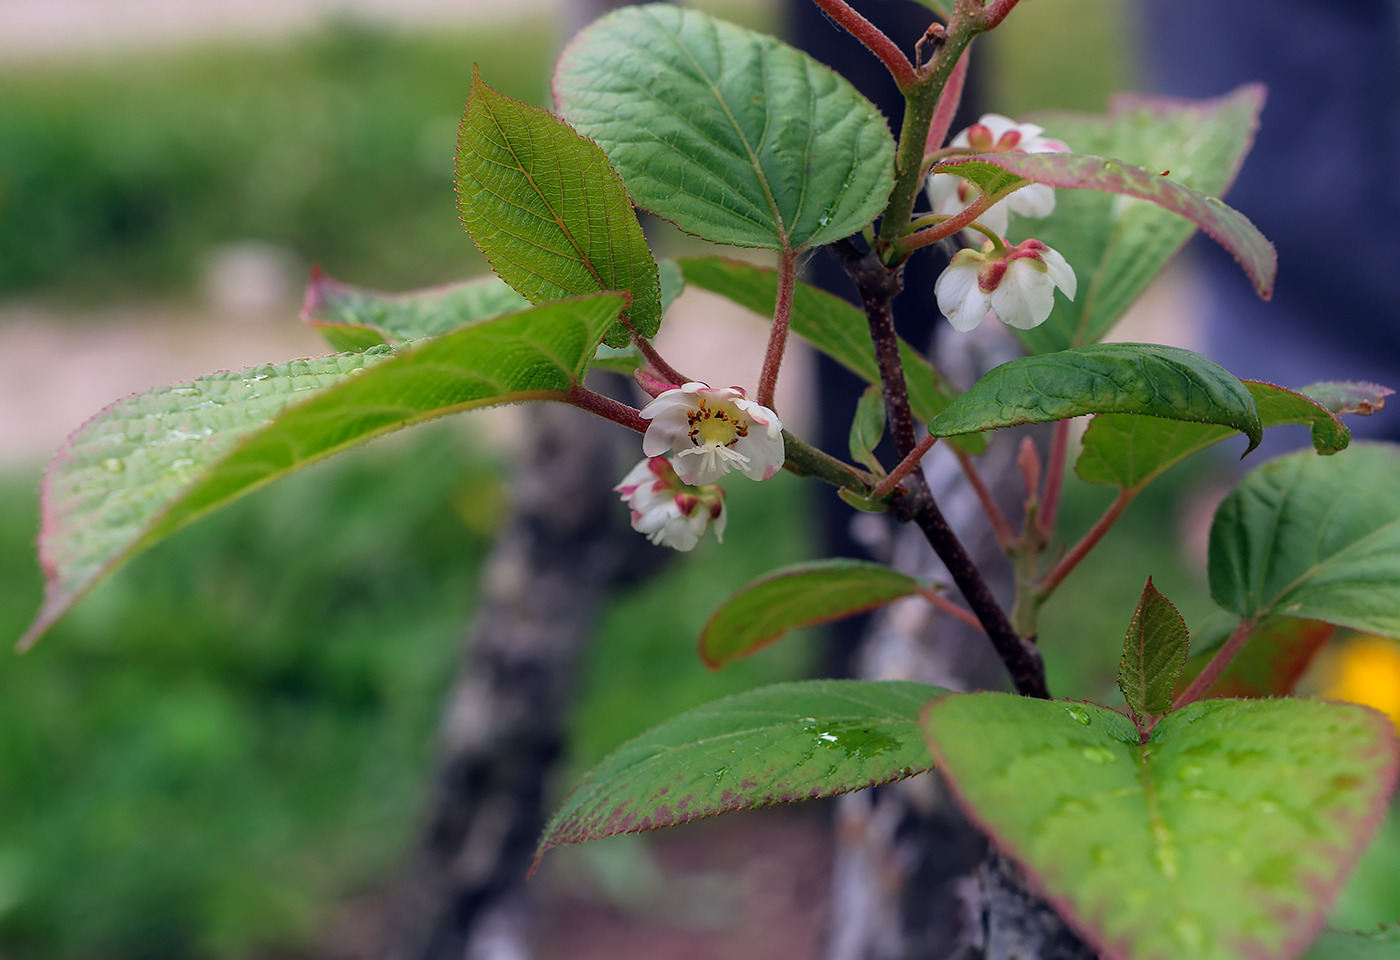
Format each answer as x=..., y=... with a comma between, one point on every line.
x=1116, y=245
x=548, y=211
x=1154, y=651
x=800, y=595
x=1129, y=451
x=149, y=464
x=1225, y=837
x=824, y=320
x=998, y=175
x=1382, y=943
x=732, y=135
x=777, y=744
x=1139, y=378
x=352, y=317
x=1313, y=537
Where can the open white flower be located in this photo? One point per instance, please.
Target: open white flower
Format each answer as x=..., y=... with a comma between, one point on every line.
x=949, y=194
x=668, y=511
x=713, y=431
x=1017, y=284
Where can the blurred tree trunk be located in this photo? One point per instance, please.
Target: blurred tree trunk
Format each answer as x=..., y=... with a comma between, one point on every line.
x=562, y=547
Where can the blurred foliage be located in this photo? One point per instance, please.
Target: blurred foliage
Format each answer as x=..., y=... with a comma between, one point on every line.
x=118, y=176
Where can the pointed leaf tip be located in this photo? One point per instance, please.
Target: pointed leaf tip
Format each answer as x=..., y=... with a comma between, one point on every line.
x=1154, y=652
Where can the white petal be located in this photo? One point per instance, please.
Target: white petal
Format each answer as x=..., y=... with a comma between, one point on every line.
x=1025, y=296
x=942, y=189
x=720, y=522
x=1059, y=271
x=959, y=297
x=1036, y=200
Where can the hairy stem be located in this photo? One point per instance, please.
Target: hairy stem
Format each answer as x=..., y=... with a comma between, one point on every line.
x=903, y=469
x=777, y=338
x=607, y=408
x=1054, y=478
x=1222, y=659
x=658, y=362
x=1081, y=549
x=875, y=41
x=948, y=102
x=1001, y=526
x=806, y=460
x=950, y=608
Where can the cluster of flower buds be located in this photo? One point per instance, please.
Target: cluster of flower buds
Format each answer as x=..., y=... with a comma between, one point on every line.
x=708, y=432
x=1018, y=283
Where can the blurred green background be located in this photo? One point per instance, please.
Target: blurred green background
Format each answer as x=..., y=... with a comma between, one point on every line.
x=232, y=737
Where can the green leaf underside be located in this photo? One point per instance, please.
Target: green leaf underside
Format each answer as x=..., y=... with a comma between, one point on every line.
x=1313, y=537
x=867, y=427
x=827, y=322
x=999, y=174
x=1380, y=944
x=548, y=211
x=1139, y=378
x=1225, y=837
x=341, y=309
x=777, y=744
x=1129, y=451
x=1116, y=245
x=151, y=463
x=729, y=134
x=800, y=595
x=1270, y=665
x=1154, y=651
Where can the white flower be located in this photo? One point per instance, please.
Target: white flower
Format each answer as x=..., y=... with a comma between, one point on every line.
x=669, y=512
x=1017, y=284
x=950, y=194
x=713, y=431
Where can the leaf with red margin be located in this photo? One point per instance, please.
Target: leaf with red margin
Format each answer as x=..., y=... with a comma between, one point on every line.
x=999, y=174
x=1226, y=836
x=1349, y=396
x=1271, y=663
x=776, y=744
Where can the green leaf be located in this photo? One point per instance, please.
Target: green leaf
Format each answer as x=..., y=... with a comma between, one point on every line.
x=868, y=427
x=1382, y=943
x=1349, y=396
x=548, y=211
x=1104, y=378
x=1225, y=837
x=1154, y=651
x=777, y=744
x=998, y=175
x=1117, y=245
x=825, y=321
x=1129, y=451
x=1270, y=665
x=149, y=464
x=732, y=135
x=800, y=595
x=1313, y=537
x=369, y=317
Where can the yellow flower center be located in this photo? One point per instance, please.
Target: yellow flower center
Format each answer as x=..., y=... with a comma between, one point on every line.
x=719, y=427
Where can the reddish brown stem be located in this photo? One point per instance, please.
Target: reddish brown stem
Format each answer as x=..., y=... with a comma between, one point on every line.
x=777, y=338
x=1054, y=477
x=950, y=608
x=906, y=465
x=1222, y=659
x=607, y=408
x=1001, y=526
x=996, y=13
x=948, y=102
x=945, y=229
x=658, y=363
x=1081, y=549
x=875, y=41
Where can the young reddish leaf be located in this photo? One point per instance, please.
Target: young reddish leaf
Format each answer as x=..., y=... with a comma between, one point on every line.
x=1349, y=396
x=801, y=595
x=1226, y=836
x=777, y=744
x=1270, y=665
x=1154, y=651
x=999, y=174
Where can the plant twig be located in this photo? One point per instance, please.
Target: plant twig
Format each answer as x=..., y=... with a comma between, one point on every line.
x=996, y=13
x=606, y=407
x=804, y=459
x=901, y=471
x=1001, y=526
x=1222, y=659
x=945, y=229
x=777, y=337
x=950, y=608
x=948, y=102
x=1054, y=478
x=875, y=41
x=658, y=363
x=1081, y=549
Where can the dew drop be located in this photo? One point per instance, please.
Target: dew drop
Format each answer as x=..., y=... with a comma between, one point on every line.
x=1079, y=714
x=185, y=391
x=113, y=465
